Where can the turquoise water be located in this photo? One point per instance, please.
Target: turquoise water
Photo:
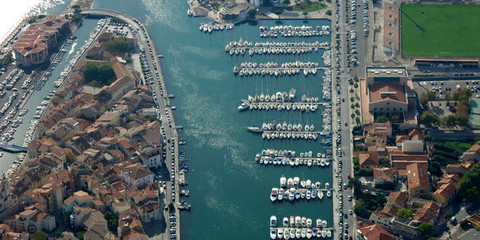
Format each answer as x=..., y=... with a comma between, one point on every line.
x=229, y=191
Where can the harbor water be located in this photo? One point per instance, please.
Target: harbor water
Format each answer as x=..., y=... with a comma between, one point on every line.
x=229, y=192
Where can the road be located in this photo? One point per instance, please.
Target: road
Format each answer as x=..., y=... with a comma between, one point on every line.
x=342, y=122
x=165, y=117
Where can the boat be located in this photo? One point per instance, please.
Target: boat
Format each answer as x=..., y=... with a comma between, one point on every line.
x=319, y=223
x=283, y=181
x=285, y=222
x=298, y=220
x=273, y=233
x=255, y=129
x=280, y=194
x=309, y=233
x=273, y=221
x=274, y=194
x=309, y=222
x=280, y=233
x=243, y=106
x=329, y=193
x=292, y=221
x=328, y=233
x=320, y=194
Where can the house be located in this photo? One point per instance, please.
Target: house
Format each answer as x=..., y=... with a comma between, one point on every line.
x=79, y=198
x=31, y=220
x=428, y=213
x=374, y=232
x=387, y=97
x=8, y=201
x=384, y=175
x=382, y=218
x=418, y=179
x=459, y=168
x=137, y=175
x=445, y=193
x=151, y=156
x=368, y=160
x=412, y=146
x=398, y=199
x=473, y=153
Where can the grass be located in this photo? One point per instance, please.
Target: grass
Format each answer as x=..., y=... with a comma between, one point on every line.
x=309, y=7
x=440, y=30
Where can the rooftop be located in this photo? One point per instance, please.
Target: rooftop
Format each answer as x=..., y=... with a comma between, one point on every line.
x=380, y=91
x=386, y=72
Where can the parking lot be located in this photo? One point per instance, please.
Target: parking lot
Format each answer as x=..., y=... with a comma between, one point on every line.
x=442, y=87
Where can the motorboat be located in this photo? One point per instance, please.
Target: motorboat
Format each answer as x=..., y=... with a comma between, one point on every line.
x=283, y=181
x=273, y=233
x=274, y=194
x=285, y=222
x=273, y=221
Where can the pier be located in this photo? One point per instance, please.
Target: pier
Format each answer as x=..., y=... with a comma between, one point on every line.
x=293, y=31
x=280, y=106
x=275, y=71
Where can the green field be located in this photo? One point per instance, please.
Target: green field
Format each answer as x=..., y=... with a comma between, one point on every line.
x=441, y=31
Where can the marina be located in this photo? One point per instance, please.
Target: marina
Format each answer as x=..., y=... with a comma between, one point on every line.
x=289, y=31
x=289, y=157
x=281, y=101
x=297, y=227
x=274, y=69
x=241, y=47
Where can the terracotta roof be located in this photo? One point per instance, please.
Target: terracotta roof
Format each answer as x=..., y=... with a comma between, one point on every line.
x=381, y=91
x=383, y=215
x=386, y=174
x=375, y=232
x=400, y=160
x=137, y=171
x=398, y=198
x=446, y=190
x=368, y=159
x=418, y=176
x=391, y=209
x=431, y=205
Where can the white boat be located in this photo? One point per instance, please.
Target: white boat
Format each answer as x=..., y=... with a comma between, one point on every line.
x=298, y=221
x=274, y=194
x=280, y=194
x=309, y=222
x=328, y=233
x=329, y=193
x=285, y=222
x=280, y=233
x=319, y=222
x=327, y=185
x=320, y=194
x=304, y=222
x=273, y=221
x=273, y=233
x=283, y=181
x=309, y=233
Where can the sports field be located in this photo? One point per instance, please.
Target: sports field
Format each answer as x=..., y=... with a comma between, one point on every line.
x=440, y=30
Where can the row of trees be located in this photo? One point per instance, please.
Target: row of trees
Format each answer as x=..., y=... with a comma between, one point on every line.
x=5, y=61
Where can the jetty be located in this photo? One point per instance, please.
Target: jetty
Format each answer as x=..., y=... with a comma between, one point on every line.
x=281, y=101
x=289, y=157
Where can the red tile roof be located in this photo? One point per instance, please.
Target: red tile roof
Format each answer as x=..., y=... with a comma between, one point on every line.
x=375, y=232
x=418, y=176
x=368, y=159
x=381, y=91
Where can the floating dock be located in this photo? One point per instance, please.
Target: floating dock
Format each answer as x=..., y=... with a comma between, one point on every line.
x=263, y=48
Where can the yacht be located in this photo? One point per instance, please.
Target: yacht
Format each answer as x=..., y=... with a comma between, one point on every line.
x=280, y=233
x=292, y=221
x=320, y=194
x=285, y=222
x=273, y=221
x=280, y=194
x=243, y=106
x=309, y=233
x=329, y=193
x=298, y=221
x=309, y=222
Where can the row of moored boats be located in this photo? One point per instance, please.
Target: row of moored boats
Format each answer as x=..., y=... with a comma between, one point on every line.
x=297, y=227
x=294, y=31
x=263, y=48
x=214, y=26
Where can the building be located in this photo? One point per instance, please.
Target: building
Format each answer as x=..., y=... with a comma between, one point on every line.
x=428, y=213
x=368, y=160
x=397, y=199
x=31, y=220
x=412, y=146
x=445, y=193
x=418, y=179
x=256, y=3
x=387, y=92
x=137, y=175
x=151, y=156
x=473, y=153
x=401, y=160
x=384, y=175
x=374, y=232
x=35, y=45
x=391, y=33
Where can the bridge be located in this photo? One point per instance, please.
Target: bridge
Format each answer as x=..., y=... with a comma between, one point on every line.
x=12, y=148
x=109, y=13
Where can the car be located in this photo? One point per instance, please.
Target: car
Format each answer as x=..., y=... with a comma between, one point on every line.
x=348, y=176
x=350, y=212
x=345, y=215
x=349, y=198
x=346, y=124
x=346, y=225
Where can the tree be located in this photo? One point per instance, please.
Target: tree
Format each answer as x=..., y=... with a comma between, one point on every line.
x=381, y=119
x=425, y=229
x=120, y=44
x=361, y=210
x=99, y=75
x=450, y=120
x=429, y=118
x=77, y=18
x=39, y=235
x=329, y=12
x=112, y=221
x=469, y=187
x=251, y=13
x=405, y=213
x=426, y=97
